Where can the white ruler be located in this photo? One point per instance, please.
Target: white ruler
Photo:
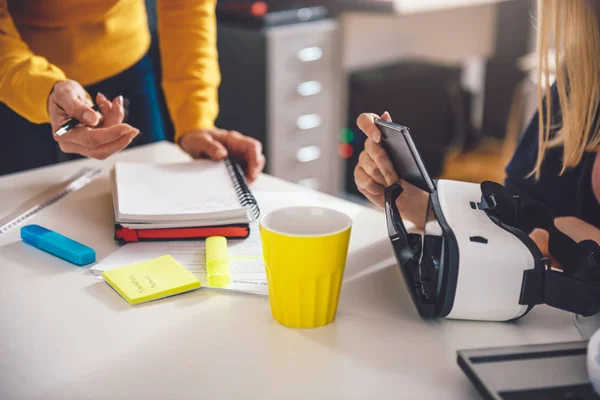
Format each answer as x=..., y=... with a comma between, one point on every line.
x=73, y=184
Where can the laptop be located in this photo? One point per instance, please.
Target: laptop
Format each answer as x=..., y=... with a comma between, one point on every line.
x=546, y=371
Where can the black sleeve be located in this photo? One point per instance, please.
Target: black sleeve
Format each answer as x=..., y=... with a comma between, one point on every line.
x=558, y=192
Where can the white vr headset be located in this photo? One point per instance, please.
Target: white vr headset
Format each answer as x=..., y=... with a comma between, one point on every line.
x=475, y=259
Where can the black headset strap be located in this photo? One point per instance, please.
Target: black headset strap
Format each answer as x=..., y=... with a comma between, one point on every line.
x=577, y=287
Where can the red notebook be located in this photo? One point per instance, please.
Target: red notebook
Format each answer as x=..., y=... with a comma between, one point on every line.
x=135, y=235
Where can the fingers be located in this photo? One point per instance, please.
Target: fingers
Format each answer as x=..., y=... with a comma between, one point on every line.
x=368, y=187
x=109, y=149
x=374, y=171
x=541, y=238
x=255, y=160
x=103, y=151
x=369, y=166
x=248, y=149
x=113, y=113
x=366, y=123
x=80, y=110
x=116, y=115
x=202, y=143
x=70, y=97
x=382, y=161
x=93, y=138
x=366, y=184
x=218, y=144
x=104, y=104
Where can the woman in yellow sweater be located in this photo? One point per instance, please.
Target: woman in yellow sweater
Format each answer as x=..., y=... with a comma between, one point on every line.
x=56, y=56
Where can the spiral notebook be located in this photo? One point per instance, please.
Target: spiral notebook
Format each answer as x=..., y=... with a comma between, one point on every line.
x=188, y=200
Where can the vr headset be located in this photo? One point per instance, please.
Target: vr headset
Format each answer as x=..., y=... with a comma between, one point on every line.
x=475, y=259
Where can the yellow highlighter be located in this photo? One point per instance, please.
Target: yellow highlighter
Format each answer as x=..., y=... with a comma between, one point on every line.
x=217, y=262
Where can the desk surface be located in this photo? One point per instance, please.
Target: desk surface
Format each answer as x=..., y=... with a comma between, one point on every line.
x=66, y=335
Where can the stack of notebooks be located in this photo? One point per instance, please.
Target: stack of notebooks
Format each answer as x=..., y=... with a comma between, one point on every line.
x=191, y=200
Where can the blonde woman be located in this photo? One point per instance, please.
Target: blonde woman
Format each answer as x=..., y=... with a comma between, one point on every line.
x=557, y=161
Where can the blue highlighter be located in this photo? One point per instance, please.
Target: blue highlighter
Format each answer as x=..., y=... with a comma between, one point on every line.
x=57, y=245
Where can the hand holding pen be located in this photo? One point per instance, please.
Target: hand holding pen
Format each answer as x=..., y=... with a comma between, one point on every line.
x=80, y=127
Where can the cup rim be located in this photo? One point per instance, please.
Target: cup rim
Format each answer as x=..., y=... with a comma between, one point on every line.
x=345, y=228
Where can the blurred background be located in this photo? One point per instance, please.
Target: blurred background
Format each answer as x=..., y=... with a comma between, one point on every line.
x=296, y=74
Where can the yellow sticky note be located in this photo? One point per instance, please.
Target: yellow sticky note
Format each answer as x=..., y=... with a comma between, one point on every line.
x=217, y=262
x=151, y=280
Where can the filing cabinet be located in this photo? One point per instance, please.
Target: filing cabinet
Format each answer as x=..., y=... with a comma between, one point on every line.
x=282, y=86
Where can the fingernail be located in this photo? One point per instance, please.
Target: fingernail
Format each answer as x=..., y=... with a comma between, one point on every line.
x=89, y=117
x=102, y=96
x=120, y=100
x=125, y=131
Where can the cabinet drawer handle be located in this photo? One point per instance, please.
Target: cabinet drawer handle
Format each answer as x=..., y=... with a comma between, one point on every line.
x=309, y=54
x=308, y=154
x=309, y=88
x=308, y=121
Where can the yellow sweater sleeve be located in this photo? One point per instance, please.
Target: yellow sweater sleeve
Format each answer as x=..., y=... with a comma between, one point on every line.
x=25, y=79
x=187, y=31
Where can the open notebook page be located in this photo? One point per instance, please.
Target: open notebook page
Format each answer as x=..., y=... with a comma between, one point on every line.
x=187, y=191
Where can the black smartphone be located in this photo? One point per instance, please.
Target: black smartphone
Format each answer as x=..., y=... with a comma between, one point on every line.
x=401, y=150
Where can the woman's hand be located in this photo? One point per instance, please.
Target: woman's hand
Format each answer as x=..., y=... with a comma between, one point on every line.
x=218, y=144
x=101, y=135
x=374, y=172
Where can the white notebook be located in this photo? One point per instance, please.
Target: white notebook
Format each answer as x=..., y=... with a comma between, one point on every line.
x=191, y=194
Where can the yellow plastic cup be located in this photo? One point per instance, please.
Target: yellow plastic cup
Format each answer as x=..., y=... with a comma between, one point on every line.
x=305, y=251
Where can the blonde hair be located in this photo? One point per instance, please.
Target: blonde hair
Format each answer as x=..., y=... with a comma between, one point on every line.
x=571, y=27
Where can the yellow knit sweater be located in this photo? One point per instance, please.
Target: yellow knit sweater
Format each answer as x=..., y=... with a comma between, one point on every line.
x=43, y=42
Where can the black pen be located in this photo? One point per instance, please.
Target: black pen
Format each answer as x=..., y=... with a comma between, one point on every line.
x=72, y=123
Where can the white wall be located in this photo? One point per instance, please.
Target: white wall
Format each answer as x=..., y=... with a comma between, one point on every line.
x=450, y=35
x=415, y=6
x=464, y=36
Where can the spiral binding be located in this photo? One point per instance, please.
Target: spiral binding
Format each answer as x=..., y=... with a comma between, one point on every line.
x=242, y=190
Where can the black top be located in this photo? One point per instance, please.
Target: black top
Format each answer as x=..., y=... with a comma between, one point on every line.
x=569, y=194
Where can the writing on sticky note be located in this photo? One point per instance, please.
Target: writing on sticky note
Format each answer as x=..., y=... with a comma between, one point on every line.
x=140, y=286
x=151, y=280
x=217, y=262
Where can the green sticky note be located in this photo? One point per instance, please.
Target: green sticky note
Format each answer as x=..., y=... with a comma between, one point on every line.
x=217, y=261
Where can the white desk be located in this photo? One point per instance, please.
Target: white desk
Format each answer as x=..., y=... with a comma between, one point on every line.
x=65, y=335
